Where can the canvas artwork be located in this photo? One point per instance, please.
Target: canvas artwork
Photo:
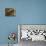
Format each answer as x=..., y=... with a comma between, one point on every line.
x=10, y=12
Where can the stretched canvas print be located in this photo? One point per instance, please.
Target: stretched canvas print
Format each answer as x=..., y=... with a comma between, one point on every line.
x=10, y=12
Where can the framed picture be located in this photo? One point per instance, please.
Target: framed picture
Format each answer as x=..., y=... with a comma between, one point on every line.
x=10, y=12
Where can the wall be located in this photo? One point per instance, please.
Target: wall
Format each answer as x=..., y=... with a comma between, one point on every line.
x=27, y=12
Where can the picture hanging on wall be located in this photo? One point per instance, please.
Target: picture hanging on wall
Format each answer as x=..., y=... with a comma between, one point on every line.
x=10, y=12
